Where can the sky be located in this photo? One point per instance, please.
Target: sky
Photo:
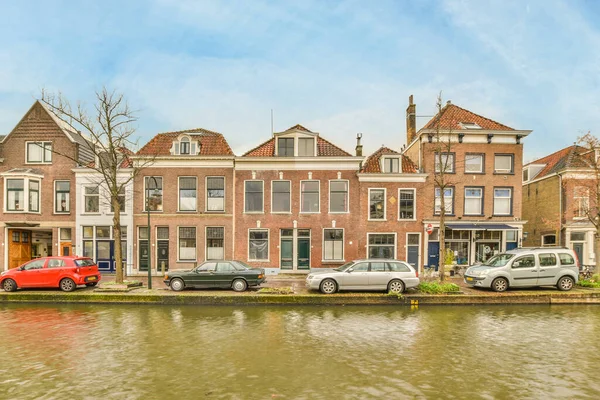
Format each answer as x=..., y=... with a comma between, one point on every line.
x=336, y=67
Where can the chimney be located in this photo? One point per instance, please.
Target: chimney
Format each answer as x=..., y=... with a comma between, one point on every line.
x=411, y=120
x=358, y=145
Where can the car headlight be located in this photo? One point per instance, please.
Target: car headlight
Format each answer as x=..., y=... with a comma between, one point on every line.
x=3, y=273
x=309, y=277
x=485, y=272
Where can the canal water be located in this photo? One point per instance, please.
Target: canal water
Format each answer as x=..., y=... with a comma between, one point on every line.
x=194, y=352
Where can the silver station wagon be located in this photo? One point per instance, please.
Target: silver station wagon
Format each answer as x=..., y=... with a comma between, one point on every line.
x=526, y=267
x=376, y=274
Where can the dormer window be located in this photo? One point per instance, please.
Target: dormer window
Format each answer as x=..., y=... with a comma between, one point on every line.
x=469, y=125
x=285, y=147
x=184, y=146
x=391, y=165
x=306, y=147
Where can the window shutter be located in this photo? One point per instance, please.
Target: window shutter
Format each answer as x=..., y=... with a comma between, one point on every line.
x=176, y=148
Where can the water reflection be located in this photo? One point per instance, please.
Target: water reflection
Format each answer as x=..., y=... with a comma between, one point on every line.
x=300, y=353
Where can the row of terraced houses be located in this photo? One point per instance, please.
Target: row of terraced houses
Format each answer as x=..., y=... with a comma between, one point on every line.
x=295, y=201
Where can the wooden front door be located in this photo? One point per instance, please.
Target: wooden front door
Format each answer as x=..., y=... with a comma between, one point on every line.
x=19, y=247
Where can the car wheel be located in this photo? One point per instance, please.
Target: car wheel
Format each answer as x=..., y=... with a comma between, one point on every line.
x=396, y=286
x=9, y=285
x=328, y=286
x=499, y=284
x=67, y=285
x=565, y=283
x=239, y=285
x=91, y=284
x=177, y=285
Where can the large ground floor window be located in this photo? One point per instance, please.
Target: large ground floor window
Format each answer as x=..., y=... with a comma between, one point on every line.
x=215, y=249
x=381, y=245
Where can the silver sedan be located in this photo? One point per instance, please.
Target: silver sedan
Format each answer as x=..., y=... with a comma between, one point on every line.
x=376, y=274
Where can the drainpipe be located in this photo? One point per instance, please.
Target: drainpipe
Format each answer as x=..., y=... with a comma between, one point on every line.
x=560, y=210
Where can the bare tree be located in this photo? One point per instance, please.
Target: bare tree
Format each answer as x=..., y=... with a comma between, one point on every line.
x=444, y=164
x=109, y=136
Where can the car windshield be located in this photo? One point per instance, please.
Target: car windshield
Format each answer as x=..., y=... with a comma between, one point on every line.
x=84, y=262
x=344, y=267
x=499, y=260
x=242, y=265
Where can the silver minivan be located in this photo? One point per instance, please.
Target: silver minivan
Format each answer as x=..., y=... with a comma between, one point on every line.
x=526, y=267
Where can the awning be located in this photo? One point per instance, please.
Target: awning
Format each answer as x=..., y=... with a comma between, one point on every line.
x=480, y=227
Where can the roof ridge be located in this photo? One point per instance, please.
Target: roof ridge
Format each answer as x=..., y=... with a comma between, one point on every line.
x=539, y=160
x=204, y=130
x=479, y=115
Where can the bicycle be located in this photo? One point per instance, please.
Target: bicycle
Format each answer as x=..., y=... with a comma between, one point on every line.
x=586, y=272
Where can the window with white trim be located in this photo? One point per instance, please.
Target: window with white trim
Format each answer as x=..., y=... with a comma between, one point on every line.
x=473, y=163
x=91, y=199
x=548, y=240
x=184, y=146
x=120, y=200
x=338, y=196
x=62, y=193
x=503, y=163
x=445, y=162
x=285, y=147
x=187, y=243
x=306, y=147
x=214, y=243
x=215, y=193
x=333, y=244
x=281, y=196
x=39, y=152
x=502, y=201
x=581, y=199
x=34, y=196
x=391, y=165
x=15, y=194
x=309, y=196
x=258, y=245
x=253, y=194
x=382, y=245
x=406, y=204
x=473, y=201
x=448, y=200
x=187, y=193
x=155, y=189
x=377, y=204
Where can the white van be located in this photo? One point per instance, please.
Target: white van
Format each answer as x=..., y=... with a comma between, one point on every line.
x=526, y=267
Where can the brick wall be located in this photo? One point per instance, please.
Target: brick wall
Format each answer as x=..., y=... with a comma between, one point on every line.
x=541, y=209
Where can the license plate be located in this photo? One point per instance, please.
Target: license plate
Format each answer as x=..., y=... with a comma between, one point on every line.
x=91, y=278
x=469, y=278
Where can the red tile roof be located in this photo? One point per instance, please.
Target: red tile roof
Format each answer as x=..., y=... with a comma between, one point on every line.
x=373, y=165
x=452, y=115
x=211, y=143
x=298, y=127
x=569, y=157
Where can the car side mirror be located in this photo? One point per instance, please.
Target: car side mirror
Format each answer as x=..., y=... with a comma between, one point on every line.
x=349, y=270
x=516, y=264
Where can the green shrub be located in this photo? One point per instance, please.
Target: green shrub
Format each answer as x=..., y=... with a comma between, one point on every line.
x=437, y=287
x=589, y=283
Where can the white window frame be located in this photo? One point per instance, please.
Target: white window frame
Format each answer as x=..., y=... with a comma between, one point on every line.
x=179, y=195
x=54, y=200
x=438, y=212
x=84, y=195
x=206, y=241
x=43, y=146
x=549, y=245
x=26, y=180
x=162, y=180
x=451, y=166
x=179, y=245
x=290, y=205
x=504, y=171
x=297, y=145
x=206, y=194
x=384, y=205
x=268, y=244
x=510, y=205
x=472, y=197
x=263, y=196
x=384, y=233
x=579, y=200
x=319, y=196
x=294, y=147
x=386, y=158
x=323, y=259
x=347, y=196
x=481, y=156
x=414, y=190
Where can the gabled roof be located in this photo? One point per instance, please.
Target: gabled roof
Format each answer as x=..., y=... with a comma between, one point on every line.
x=373, y=164
x=451, y=116
x=211, y=143
x=324, y=147
x=572, y=157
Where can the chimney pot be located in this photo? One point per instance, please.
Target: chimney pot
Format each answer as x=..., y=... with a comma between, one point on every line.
x=358, y=145
x=449, y=102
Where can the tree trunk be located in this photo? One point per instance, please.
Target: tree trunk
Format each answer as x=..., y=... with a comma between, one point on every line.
x=119, y=273
x=442, y=237
x=596, y=252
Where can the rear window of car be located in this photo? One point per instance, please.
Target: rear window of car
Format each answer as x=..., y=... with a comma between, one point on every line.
x=566, y=259
x=398, y=267
x=547, y=259
x=84, y=262
x=56, y=263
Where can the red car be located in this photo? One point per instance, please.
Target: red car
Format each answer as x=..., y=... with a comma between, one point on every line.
x=63, y=272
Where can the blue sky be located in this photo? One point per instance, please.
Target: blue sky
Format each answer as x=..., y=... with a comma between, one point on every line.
x=337, y=68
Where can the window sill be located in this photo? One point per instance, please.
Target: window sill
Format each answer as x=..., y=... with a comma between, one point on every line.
x=258, y=260
x=503, y=173
x=333, y=261
x=22, y=212
x=310, y=212
x=38, y=163
x=182, y=261
x=339, y=212
x=407, y=219
x=215, y=211
x=475, y=173
x=473, y=215
x=61, y=213
x=377, y=220
x=502, y=215
x=254, y=212
x=153, y=211
x=91, y=213
x=281, y=212
x=186, y=211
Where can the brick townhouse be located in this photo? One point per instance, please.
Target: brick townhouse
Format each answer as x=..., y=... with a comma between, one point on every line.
x=190, y=187
x=557, y=191
x=38, y=204
x=483, y=203
x=390, y=208
x=296, y=203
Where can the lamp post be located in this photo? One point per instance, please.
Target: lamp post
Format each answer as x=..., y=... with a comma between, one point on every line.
x=149, y=230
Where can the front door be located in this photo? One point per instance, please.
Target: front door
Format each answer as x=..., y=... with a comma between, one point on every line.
x=19, y=248
x=144, y=254
x=163, y=256
x=578, y=249
x=434, y=254
x=105, y=255
x=66, y=249
x=287, y=249
x=412, y=249
x=304, y=253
